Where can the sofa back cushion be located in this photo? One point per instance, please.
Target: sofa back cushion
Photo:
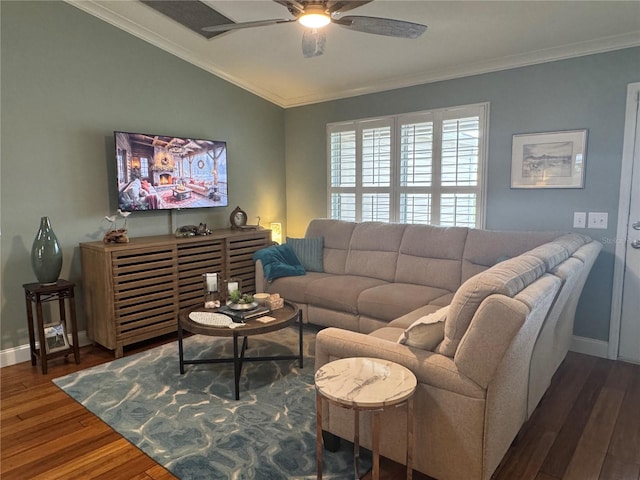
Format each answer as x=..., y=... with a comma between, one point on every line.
x=431, y=256
x=374, y=250
x=336, y=238
x=485, y=248
x=507, y=278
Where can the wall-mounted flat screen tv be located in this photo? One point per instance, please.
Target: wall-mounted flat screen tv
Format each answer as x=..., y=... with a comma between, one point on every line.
x=157, y=172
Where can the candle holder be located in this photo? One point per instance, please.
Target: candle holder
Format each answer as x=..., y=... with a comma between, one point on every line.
x=211, y=290
x=231, y=285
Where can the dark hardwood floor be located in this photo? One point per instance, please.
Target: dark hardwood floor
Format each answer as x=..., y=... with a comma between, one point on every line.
x=586, y=427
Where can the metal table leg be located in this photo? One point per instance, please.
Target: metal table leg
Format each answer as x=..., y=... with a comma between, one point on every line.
x=180, y=349
x=319, y=444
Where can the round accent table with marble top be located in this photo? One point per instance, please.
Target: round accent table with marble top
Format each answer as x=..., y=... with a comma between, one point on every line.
x=365, y=384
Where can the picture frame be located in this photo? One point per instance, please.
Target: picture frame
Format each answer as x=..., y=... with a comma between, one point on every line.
x=55, y=337
x=549, y=160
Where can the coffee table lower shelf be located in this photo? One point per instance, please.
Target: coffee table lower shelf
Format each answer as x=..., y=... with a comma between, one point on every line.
x=284, y=317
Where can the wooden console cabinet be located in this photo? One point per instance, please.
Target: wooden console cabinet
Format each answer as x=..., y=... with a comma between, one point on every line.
x=134, y=291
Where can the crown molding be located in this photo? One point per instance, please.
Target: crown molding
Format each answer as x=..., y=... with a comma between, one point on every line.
x=563, y=52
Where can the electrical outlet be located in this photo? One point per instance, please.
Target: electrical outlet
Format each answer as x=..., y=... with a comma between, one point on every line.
x=598, y=219
x=579, y=220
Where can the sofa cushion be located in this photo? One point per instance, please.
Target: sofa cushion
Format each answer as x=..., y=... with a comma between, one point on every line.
x=294, y=288
x=551, y=253
x=484, y=248
x=431, y=256
x=404, y=321
x=393, y=300
x=309, y=251
x=426, y=332
x=443, y=301
x=279, y=261
x=339, y=292
x=373, y=251
x=390, y=334
x=508, y=278
x=337, y=236
x=573, y=241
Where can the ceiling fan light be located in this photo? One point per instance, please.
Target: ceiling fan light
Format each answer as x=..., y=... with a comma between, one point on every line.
x=314, y=17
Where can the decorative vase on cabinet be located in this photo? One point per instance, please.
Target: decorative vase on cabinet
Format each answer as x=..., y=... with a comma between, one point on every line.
x=46, y=255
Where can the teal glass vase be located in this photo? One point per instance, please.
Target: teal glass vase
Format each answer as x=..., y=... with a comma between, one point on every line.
x=46, y=254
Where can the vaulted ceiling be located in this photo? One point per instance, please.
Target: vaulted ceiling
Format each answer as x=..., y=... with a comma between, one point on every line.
x=463, y=38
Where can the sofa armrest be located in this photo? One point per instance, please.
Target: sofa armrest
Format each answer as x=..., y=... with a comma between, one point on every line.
x=497, y=323
x=429, y=368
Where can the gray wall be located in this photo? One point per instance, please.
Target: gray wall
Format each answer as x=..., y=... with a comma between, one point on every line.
x=587, y=92
x=68, y=81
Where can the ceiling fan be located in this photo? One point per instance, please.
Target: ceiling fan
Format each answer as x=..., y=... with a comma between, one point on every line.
x=317, y=14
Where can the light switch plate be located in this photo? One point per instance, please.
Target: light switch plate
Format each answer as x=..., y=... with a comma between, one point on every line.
x=598, y=219
x=579, y=220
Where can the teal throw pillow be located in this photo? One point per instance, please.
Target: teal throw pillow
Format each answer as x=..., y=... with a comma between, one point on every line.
x=309, y=251
x=279, y=261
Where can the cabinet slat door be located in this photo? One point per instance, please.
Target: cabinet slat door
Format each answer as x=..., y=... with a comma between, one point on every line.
x=145, y=292
x=195, y=259
x=240, y=251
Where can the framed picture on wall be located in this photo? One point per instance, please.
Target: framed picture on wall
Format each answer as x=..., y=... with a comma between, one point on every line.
x=548, y=160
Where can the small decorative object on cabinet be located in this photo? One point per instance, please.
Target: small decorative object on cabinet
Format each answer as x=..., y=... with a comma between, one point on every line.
x=193, y=230
x=134, y=291
x=115, y=234
x=46, y=254
x=52, y=337
x=238, y=218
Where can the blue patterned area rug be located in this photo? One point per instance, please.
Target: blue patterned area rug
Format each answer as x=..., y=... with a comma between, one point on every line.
x=190, y=423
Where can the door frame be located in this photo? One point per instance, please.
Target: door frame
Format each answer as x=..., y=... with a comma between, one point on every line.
x=624, y=206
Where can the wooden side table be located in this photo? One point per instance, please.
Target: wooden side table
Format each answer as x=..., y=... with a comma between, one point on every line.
x=365, y=384
x=39, y=293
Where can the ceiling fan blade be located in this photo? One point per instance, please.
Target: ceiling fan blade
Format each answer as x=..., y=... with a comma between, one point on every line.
x=382, y=26
x=313, y=42
x=295, y=7
x=238, y=26
x=339, y=6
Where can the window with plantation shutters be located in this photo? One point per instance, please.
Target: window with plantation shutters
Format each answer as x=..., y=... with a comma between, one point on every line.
x=424, y=167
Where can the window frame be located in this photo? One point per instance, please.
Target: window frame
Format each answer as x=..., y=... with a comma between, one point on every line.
x=436, y=189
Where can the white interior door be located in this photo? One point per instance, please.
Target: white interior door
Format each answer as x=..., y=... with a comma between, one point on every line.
x=629, y=345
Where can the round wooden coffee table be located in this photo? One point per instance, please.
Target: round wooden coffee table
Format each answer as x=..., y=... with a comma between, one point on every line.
x=285, y=316
x=365, y=384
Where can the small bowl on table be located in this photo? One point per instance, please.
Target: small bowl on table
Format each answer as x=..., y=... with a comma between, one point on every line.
x=261, y=298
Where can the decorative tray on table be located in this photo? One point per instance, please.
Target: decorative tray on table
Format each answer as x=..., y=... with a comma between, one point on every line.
x=242, y=306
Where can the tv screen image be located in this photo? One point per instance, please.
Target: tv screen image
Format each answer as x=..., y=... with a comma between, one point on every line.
x=157, y=172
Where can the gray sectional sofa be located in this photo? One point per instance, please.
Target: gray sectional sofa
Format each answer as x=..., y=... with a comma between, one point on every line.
x=510, y=301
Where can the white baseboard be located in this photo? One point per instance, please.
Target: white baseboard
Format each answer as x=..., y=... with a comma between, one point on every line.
x=11, y=356
x=590, y=346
